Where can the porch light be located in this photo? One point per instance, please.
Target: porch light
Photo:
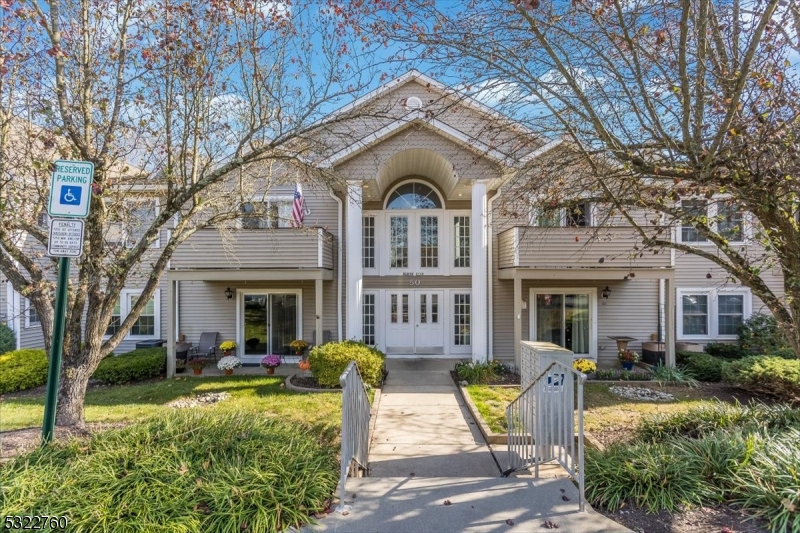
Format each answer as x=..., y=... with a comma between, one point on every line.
x=605, y=293
x=229, y=293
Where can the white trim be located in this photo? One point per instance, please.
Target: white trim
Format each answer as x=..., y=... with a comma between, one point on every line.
x=319, y=247
x=712, y=320
x=240, y=293
x=28, y=306
x=590, y=291
x=355, y=276
x=480, y=276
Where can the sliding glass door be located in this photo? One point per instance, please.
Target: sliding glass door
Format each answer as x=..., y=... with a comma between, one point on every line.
x=269, y=322
x=565, y=318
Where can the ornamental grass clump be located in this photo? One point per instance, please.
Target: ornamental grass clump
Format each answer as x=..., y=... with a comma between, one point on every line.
x=188, y=471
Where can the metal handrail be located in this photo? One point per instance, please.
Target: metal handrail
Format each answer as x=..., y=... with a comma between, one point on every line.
x=541, y=424
x=355, y=425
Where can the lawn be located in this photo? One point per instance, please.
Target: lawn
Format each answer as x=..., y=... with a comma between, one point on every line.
x=130, y=403
x=607, y=416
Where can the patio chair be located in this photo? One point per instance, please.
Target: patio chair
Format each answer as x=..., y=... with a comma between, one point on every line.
x=207, y=347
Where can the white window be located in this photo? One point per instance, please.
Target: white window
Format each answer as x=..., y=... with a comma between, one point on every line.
x=707, y=314
x=147, y=326
x=461, y=249
x=398, y=242
x=719, y=214
x=368, y=313
x=368, y=242
x=429, y=241
x=462, y=319
x=577, y=214
x=129, y=224
x=31, y=316
x=268, y=214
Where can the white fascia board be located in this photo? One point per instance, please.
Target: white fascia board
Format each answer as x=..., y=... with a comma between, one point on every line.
x=416, y=117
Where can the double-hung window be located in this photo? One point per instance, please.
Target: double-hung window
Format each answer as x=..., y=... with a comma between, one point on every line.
x=270, y=214
x=719, y=214
x=31, y=316
x=693, y=213
x=707, y=314
x=576, y=214
x=730, y=221
x=148, y=323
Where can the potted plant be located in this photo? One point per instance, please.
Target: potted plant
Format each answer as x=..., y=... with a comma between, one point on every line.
x=587, y=366
x=228, y=363
x=299, y=346
x=180, y=366
x=627, y=358
x=227, y=347
x=271, y=362
x=196, y=365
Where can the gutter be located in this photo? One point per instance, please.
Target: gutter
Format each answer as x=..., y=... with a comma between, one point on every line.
x=339, y=267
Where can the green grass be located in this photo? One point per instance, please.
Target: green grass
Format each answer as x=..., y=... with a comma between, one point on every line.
x=603, y=410
x=491, y=403
x=188, y=471
x=130, y=403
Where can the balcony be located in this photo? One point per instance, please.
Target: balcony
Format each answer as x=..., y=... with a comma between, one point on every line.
x=284, y=248
x=577, y=248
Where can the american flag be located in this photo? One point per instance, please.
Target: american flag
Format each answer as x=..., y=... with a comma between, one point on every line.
x=298, y=207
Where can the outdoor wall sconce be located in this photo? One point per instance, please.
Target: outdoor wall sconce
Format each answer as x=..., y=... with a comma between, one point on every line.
x=605, y=293
x=228, y=293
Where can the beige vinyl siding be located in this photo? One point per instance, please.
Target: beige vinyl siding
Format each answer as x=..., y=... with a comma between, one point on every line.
x=204, y=307
x=255, y=248
x=572, y=247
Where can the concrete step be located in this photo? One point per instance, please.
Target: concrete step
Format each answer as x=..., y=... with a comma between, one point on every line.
x=477, y=505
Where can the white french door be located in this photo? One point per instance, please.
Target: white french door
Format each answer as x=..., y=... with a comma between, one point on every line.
x=415, y=322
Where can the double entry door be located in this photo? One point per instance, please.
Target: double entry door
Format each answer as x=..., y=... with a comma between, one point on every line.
x=415, y=322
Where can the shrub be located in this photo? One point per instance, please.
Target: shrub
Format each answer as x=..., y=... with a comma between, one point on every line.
x=699, y=421
x=478, y=373
x=726, y=351
x=137, y=365
x=702, y=366
x=767, y=485
x=651, y=476
x=187, y=471
x=761, y=332
x=770, y=376
x=7, y=339
x=22, y=369
x=676, y=375
x=330, y=360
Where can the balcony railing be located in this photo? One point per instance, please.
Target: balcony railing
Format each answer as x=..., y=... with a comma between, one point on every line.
x=576, y=247
x=256, y=248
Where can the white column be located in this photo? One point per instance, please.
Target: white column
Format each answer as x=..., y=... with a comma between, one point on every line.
x=318, y=305
x=517, y=320
x=669, y=313
x=171, y=309
x=478, y=261
x=354, y=262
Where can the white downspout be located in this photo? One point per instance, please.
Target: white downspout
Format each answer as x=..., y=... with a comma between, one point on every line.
x=490, y=278
x=339, y=268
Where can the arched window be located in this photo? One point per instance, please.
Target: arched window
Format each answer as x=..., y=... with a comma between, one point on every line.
x=413, y=196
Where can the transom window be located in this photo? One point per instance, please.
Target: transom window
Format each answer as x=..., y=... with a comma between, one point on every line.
x=413, y=196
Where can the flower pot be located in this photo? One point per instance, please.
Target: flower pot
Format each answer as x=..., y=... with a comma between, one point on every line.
x=270, y=370
x=197, y=371
x=226, y=353
x=228, y=371
x=627, y=365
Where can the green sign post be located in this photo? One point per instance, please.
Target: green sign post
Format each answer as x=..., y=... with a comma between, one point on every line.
x=70, y=197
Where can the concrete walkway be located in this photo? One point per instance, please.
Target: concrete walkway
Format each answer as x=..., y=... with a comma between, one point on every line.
x=423, y=427
x=431, y=471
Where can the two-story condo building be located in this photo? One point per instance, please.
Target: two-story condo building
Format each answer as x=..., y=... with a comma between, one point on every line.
x=413, y=253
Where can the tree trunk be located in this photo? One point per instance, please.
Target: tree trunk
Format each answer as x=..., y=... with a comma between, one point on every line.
x=71, y=394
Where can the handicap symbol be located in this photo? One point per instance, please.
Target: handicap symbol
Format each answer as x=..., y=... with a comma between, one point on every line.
x=70, y=196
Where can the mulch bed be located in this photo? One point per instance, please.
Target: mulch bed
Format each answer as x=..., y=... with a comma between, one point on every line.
x=309, y=382
x=720, y=519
